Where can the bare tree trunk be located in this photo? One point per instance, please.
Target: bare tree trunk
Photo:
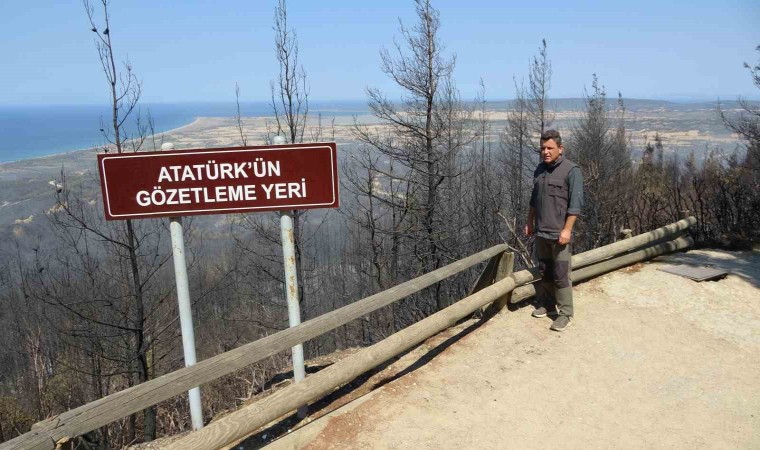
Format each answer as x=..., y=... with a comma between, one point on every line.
x=539, y=80
x=425, y=136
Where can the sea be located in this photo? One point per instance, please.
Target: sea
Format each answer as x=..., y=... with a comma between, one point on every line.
x=36, y=131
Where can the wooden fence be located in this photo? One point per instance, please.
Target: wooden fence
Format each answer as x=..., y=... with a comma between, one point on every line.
x=495, y=286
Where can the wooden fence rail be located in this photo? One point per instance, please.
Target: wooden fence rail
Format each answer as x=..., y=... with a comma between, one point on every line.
x=627, y=245
x=91, y=416
x=679, y=243
x=246, y=420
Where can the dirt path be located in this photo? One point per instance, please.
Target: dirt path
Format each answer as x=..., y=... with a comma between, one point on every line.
x=651, y=361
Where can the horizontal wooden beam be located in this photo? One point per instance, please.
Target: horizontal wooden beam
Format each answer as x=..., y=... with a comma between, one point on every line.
x=525, y=292
x=636, y=242
x=129, y=401
x=244, y=421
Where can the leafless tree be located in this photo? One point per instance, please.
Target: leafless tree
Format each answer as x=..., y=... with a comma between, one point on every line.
x=239, y=118
x=103, y=280
x=601, y=148
x=747, y=123
x=484, y=194
x=539, y=83
x=375, y=207
x=515, y=165
x=429, y=134
x=290, y=93
x=649, y=203
x=258, y=234
x=529, y=116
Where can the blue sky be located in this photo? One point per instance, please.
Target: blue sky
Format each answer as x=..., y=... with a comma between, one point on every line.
x=195, y=50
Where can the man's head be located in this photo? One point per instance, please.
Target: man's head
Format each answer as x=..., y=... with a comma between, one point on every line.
x=551, y=146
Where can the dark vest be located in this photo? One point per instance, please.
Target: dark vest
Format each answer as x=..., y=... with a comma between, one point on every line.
x=553, y=196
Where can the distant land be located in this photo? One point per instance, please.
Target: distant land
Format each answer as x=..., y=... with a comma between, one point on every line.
x=35, y=131
x=27, y=183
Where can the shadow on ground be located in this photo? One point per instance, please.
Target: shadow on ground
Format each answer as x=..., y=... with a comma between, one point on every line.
x=745, y=264
x=329, y=403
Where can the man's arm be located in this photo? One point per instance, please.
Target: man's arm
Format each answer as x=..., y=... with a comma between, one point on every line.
x=529, y=226
x=531, y=220
x=567, y=232
x=575, y=204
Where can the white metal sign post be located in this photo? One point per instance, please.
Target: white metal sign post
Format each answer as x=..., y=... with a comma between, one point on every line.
x=287, y=236
x=185, y=310
x=291, y=293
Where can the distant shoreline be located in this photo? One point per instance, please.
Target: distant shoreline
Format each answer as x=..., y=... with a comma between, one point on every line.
x=691, y=127
x=196, y=121
x=35, y=131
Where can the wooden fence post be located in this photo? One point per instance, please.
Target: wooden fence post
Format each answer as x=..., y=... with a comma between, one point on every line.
x=503, y=270
x=487, y=275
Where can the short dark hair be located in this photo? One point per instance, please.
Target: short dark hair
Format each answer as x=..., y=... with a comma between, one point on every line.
x=551, y=134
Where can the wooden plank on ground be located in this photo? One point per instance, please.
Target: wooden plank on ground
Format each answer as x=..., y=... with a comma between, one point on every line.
x=696, y=273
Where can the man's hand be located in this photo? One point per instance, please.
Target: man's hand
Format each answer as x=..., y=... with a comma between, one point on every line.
x=529, y=229
x=567, y=233
x=531, y=222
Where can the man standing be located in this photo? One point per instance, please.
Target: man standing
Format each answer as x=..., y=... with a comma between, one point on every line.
x=555, y=203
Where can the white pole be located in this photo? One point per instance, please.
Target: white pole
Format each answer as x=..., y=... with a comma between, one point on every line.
x=185, y=310
x=291, y=293
x=291, y=286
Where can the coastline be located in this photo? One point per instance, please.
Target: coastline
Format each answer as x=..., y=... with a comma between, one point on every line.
x=680, y=131
x=196, y=121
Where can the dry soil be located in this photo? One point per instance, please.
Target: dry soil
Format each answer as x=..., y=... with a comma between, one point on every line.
x=652, y=360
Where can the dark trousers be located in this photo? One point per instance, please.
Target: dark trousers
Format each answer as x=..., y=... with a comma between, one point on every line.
x=555, y=287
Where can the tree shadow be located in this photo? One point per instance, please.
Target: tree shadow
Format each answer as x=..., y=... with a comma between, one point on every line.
x=326, y=404
x=435, y=351
x=745, y=264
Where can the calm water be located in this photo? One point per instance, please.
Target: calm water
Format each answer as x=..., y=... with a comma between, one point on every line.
x=33, y=131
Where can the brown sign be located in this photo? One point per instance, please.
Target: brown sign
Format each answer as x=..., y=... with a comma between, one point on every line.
x=219, y=180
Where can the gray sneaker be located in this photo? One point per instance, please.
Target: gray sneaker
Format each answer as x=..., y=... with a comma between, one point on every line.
x=560, y=323
x=543, y=312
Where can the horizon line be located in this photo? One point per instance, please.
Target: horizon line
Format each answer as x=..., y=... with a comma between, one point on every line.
x=316, y=102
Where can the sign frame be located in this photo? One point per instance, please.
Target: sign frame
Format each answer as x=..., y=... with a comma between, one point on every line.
x=109, y=191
